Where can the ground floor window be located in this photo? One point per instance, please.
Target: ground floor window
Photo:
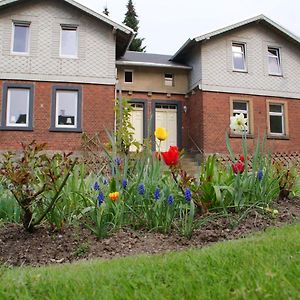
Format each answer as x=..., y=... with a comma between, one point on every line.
x=66, y=109
x=277, y=118
x=17, y=106
x=242, y=106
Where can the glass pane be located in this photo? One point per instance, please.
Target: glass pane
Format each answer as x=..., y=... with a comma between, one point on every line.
x=237, y=48
x=66, y=108
x=277, y=108
x=69, y=42
x=239, y=105
x=21, y=38
x=17, y=107
x=274, y=67
x=238, y=61
x=128, y=76
x=273, y=52
x=276, y=124
x=170, y=76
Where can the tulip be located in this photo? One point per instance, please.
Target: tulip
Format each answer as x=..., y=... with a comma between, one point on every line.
x=161, y=134
x=114, y=196
x=238, y=167
x=171, y=157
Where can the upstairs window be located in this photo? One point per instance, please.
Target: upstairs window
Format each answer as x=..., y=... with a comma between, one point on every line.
x=20, y=40
x=276, y=119
x=239, y=56
x=274, y=62
x=69, y=41
x=169, y=79
x=128, y=76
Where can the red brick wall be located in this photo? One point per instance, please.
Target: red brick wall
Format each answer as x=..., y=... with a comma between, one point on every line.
x=156, y=97
x=214, y=114
x=97, y=115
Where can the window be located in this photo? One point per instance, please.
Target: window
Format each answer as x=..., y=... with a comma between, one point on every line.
x=277, y=118
x=128, y=76
x=69, y=41
x=17, y=106
x=169, y=79
x=66, y=109
x=242, y=106
x=20, y=40
x=239, y=57
x=274, y=62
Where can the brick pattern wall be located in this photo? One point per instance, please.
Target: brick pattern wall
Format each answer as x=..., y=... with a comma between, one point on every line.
x=215, y=117
x=97, y=115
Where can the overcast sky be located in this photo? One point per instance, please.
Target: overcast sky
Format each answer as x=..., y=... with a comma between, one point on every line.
x=167, y=24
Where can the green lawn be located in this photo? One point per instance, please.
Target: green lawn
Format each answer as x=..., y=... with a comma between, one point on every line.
x=264, y=266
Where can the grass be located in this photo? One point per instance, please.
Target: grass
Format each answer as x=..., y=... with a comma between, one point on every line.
x=264, y=266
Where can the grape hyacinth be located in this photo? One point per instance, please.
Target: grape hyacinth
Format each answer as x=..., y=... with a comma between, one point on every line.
x=156, y=194
x=96, y=186
x=260, y=175
x=141, y=189
x=105, y=182
x=100, y=198
x=170, y=200
x=124, y=183
x=187, y=195
x=118, y=161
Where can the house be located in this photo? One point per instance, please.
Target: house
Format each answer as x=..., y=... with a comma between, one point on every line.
x=58, y=79
x=252, y=67
x=57, y=72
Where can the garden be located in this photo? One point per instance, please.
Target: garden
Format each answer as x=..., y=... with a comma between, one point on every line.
x=54, y=209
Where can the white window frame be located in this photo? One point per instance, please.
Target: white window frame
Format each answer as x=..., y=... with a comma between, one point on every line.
x=278, y=60
x=131, y=71
x=280, y=114
x=8, y=123
x=57, y=109
x=70, y=27
x=248, y=112
x=22, y=24
x=244, y=47
x=169, y=80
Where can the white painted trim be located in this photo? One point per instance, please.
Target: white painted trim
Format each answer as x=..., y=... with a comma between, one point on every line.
x=25, y=24
x=132, y=76
x=75, y=27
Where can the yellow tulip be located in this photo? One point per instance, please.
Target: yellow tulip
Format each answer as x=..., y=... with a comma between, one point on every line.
x=114, y=196
x=161, y=134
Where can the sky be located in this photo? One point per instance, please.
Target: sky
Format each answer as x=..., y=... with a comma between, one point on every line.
x=167, y=24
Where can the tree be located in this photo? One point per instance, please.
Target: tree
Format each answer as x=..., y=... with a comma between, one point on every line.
x=131, y=20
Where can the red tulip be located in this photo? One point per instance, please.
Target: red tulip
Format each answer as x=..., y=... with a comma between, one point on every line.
x=171, y=157
x=238, y=167
x=242, y=158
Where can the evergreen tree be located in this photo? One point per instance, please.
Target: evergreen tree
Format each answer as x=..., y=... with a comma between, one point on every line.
x=131, y=20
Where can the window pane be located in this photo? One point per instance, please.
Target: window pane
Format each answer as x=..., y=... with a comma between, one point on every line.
x=273, y=52
x=66, y=108
x=276, y=124
x=17, y=107
x=274, y=66
x=21, y=33
x=239, y=105
x=69, y=41
x=277, y=108
x=128, y=76
x=168, y=79
x=238, y=61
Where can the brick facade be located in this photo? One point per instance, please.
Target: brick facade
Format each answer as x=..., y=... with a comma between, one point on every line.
x=97, y=115
x=209, y=117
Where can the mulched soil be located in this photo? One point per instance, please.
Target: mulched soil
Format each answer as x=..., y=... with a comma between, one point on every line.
x=18, y=247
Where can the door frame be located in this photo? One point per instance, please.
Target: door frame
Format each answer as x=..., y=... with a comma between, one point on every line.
x=145, y=121
x=178, y=104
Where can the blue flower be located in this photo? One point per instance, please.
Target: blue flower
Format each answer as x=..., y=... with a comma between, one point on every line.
x=105, y=182
x=124, y=183
x=156, y=194
x=118, y=161
x=141, y=189
x=100, y=198
x=170, y=200
x=187, y=195
x=96, y=186
x=260, y=175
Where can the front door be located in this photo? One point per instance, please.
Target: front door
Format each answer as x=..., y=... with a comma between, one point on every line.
x=166, y=117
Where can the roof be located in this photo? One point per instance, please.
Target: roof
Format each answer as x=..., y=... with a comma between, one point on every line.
x=124, y=33
x=133, y=58
x=260, y=18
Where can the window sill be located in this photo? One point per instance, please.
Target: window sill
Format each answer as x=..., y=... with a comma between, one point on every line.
x=275, y=75
x=11, y=128
x=239, y=136
x=240, y=71
x=278, y=137
x=54, y=129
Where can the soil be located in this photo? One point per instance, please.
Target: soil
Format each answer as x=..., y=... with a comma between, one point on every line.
x=45, y=246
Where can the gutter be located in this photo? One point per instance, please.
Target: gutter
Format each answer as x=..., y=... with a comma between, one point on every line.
x=154, y=65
